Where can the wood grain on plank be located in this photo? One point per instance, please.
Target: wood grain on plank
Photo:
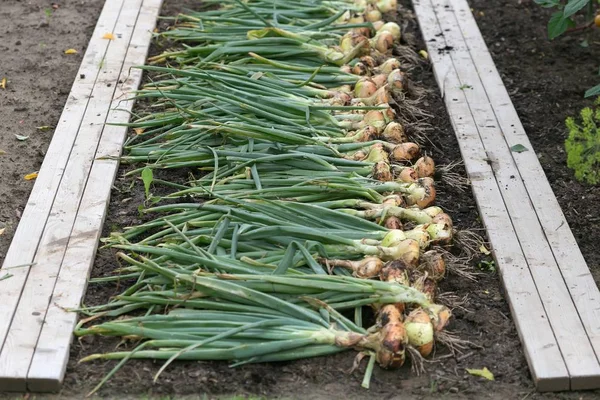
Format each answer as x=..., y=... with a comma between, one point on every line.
x=573, y=267
x=51, y=355
x=31, y=225
x=22, y=337
x=571, y=336
x=545, y=360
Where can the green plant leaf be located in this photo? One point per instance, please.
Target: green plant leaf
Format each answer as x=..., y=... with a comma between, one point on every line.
x=573, y=6
x=518, y=148
x=558, y=25
x=548, y=3
x=484, y=373
x=147, y=177
x=595, y=91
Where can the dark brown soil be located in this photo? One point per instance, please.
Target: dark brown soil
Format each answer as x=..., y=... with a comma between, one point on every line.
x=39, y=77
x=546, y=80
x=487, y=322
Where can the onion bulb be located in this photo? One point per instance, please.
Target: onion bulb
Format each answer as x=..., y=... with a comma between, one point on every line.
x=393, y=200
x=364, y=88
x=393, y=28
x=379, y=80
x=443, y=218
x=382, y=42
x=377, y=25
x=387, y=5
x=392, y=223
x=407, y=250
x=407, y=175
x=393, y=338
x=394, y=133
x=368, y=267
x=359, y=69
x=389, y=65
x=420, y=331
x=397, y=80
x=433, y=263
x=368, y=61
x=404, y=152
x=382, y=171
x=440, y=233
x=425, y=167
x=372, y=14
x=422, y=194
x=440, y=316
x=395, y=271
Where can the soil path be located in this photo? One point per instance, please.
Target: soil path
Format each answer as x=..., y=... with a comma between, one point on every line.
x=33, y=37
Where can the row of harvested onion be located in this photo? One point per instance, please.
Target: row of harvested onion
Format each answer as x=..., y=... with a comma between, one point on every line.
x=305, y=178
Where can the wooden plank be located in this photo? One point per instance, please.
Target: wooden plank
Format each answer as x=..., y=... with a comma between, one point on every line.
x=573, y=267
x=545, y=360
x=29, y=316
x=572, y=339
x=52, y=352
x=29, y=230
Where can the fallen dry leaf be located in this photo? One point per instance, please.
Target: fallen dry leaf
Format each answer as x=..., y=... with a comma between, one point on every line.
x=108, y=36
x=424, y=54
x=2, y=152
x=138, y=131
x=31, y=176
x=70, y=51
x=484, y=250
x=3, y=83
x=43, y=128
x=484, y=373
x=2, y=231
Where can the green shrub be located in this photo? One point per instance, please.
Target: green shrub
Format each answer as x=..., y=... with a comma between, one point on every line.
x=583, y=145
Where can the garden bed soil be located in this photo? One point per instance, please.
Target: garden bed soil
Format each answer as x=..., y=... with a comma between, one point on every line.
x=486, y=322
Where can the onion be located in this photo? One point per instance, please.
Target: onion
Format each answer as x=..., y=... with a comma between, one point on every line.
x=356, y=19
x=441, y=233
x=364, y=31
x=407, y=174
x=351, y=40
x=425, y=167
x=375, y=119
x=346, y=69
x=387, y=5
x=407, y=250
x=379, y=80
x=394, y=133
x=392, y=350
x=377, y=154
x=393, y=28
x=393, y=237
x=368, y=61
x=397, y=80
x=383, y=42
x=364, y=88
x=433, y=211
x=341, y=99
x=432, y=262
x=368, y=267
x=372, y=14
x=389, y=65
x=443, y=218
x=440, y=316
x=421, y=235
x=382, y=171
x=394, y=200
x=377, y=25
x=419, y=330
x=359, y=69
x=424, y=284
x=423, y=194
x=392, y=223
x=404, y=152
x=395, y=271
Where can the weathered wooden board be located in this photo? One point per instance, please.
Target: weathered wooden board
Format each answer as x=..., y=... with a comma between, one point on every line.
x=64, y=222
x=51, y=354
x=556, y=342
